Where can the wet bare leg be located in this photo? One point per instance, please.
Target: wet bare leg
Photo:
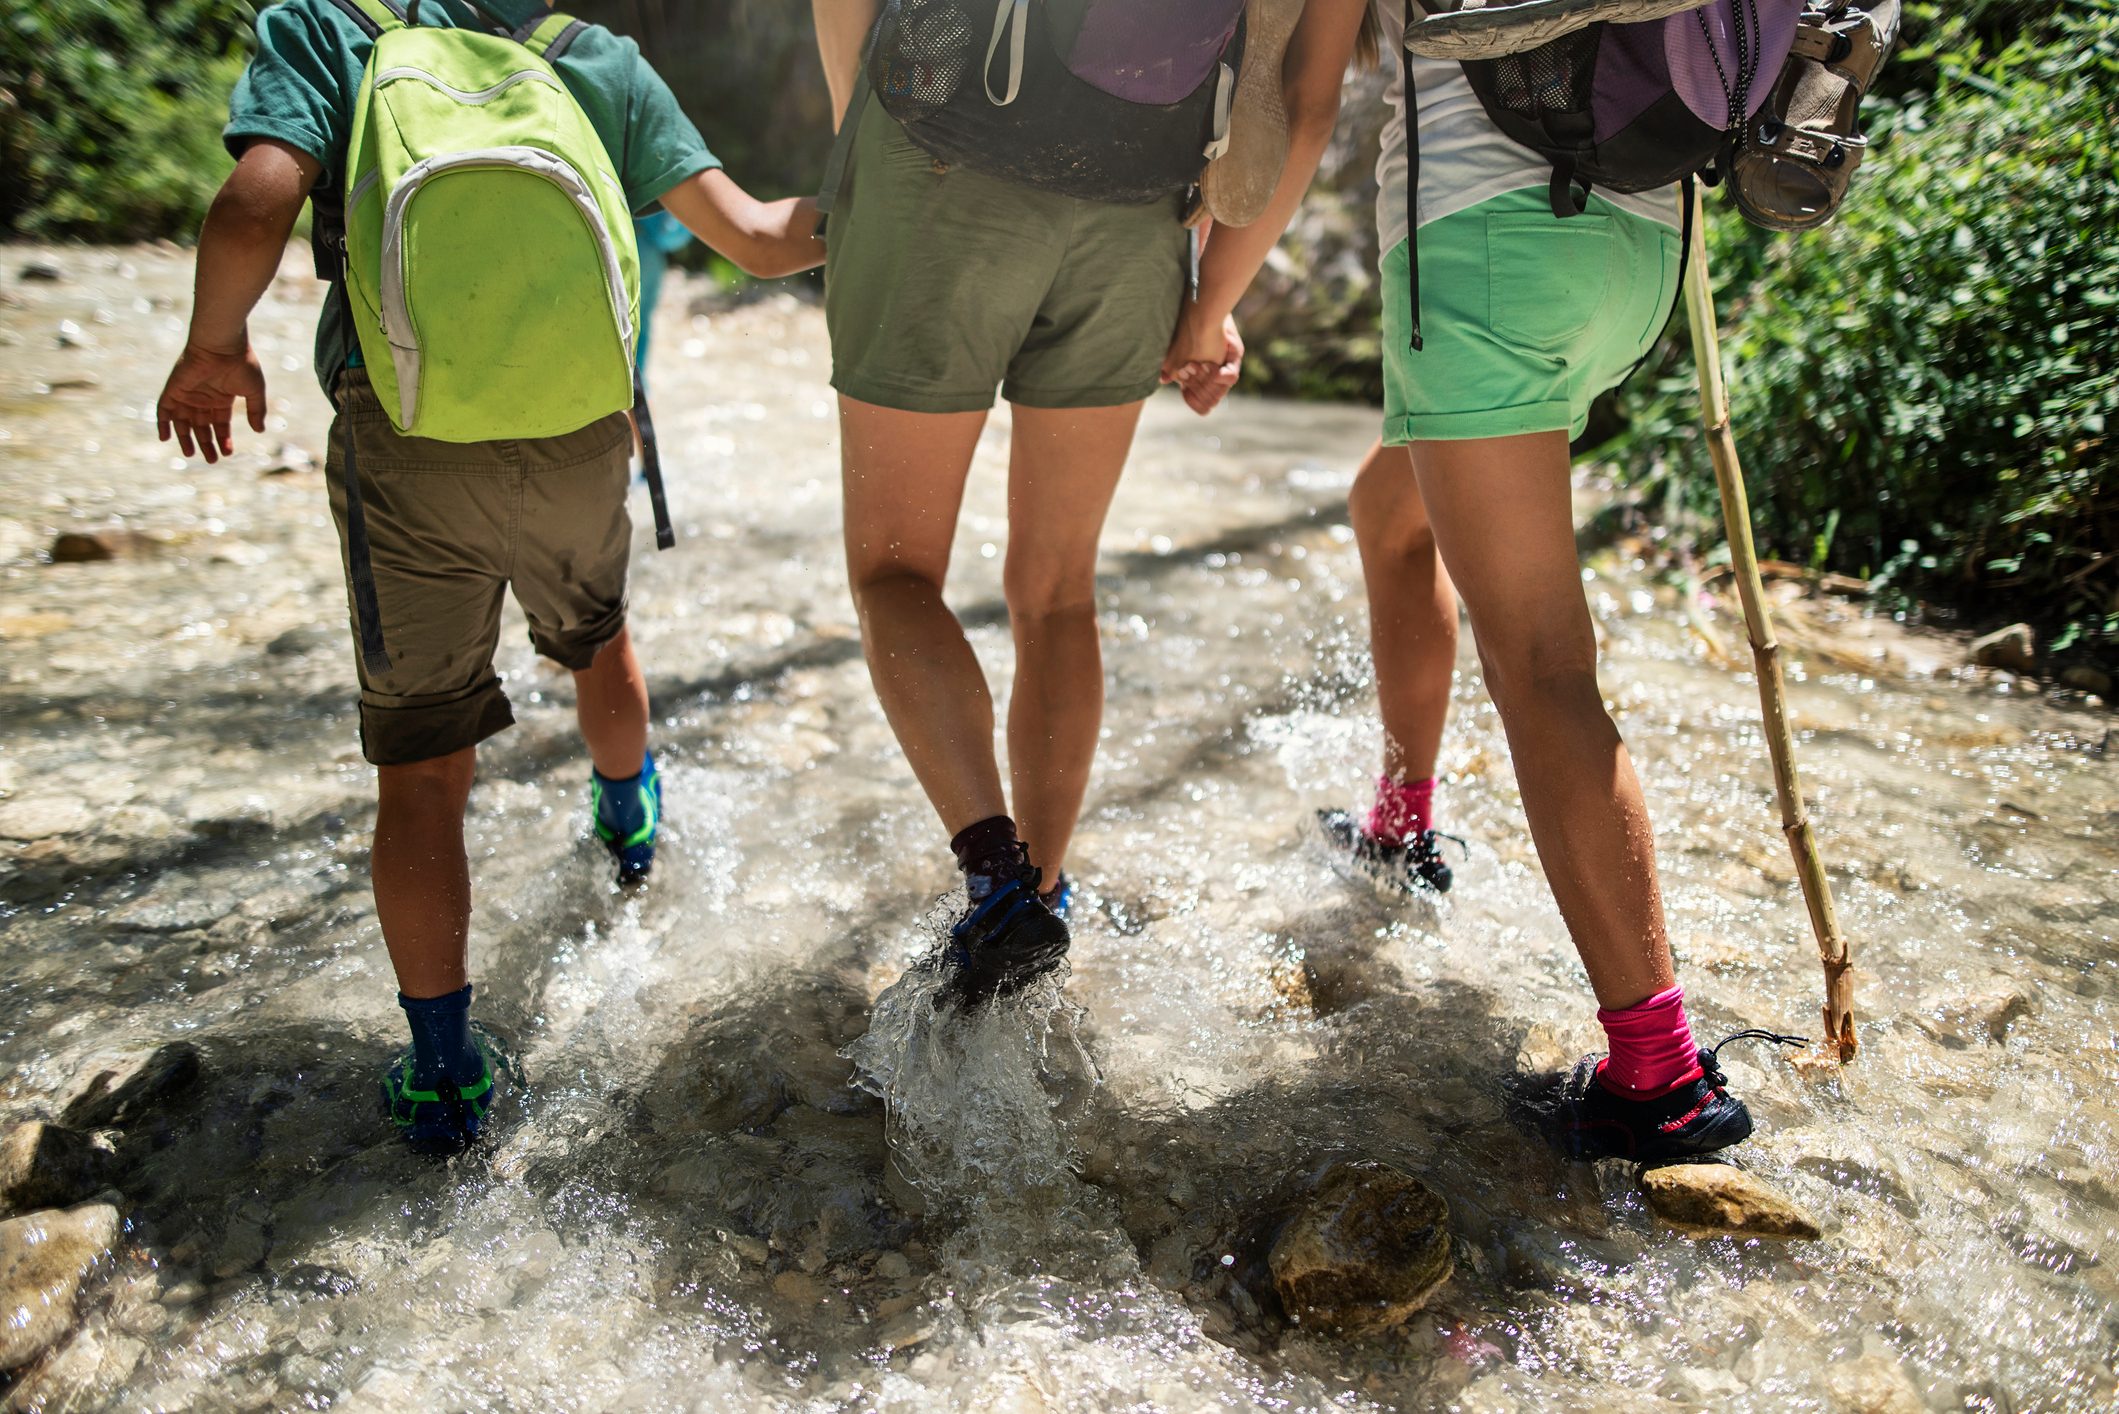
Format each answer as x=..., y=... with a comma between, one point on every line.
x=1503, y=519
x=1064, y=466
x=610, y=700
x=422, y=882
x=1412, y=611
x=904, y=478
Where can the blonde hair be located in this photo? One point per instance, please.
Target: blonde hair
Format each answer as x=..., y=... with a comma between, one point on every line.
x=1368, y=44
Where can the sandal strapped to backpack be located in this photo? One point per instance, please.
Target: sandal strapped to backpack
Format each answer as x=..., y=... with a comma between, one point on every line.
x=1791, y=168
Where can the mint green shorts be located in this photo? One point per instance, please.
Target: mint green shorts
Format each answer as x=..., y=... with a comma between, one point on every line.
x=1526, y=317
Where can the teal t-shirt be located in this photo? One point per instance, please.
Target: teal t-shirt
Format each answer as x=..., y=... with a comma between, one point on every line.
x=302, y=86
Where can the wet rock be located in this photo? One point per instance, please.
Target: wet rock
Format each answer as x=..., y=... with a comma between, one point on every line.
x=2087, y=679
x=168, y=912
x=1975, y=1016
x=1366, y=1250
x=2014, y=648
x=40, y=817
x=45, y=271
x=290, y=460
x=80, y=547
x=79, y=1374
x=1872, y=1384
x=127, y=1089
x=1720, y=1198
x=43, y=1259
x=296, y=642
x=49, y=1166
x=907, y=1329
x=32, y=625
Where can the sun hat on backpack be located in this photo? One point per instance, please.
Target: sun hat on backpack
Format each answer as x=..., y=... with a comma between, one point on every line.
x=486, y=248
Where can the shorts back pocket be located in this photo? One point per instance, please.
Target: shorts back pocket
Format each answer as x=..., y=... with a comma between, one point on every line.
x=1550, y=276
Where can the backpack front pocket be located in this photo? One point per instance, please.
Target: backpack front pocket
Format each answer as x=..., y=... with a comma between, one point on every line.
x=491, y=336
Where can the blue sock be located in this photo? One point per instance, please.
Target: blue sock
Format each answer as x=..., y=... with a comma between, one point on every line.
x=623, y=812
x=441, y=1040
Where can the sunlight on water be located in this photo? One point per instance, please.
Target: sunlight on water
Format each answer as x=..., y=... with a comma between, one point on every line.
x=759, y=1165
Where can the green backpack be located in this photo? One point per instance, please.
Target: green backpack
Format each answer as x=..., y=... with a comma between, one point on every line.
x=490, y=258
x=486, y=247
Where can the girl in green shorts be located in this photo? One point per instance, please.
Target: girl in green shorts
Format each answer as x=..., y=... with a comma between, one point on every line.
x=1526, y=318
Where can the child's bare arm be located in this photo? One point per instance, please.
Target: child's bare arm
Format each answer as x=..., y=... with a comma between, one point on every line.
x=240, y=246
x=842, y=30
x=766, y=238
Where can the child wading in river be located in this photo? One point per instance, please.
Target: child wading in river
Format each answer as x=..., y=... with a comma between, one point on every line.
x=1528, y=315
x=481, y=366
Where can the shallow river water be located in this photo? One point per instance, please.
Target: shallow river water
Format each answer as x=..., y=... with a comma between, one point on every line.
x=703, y=1204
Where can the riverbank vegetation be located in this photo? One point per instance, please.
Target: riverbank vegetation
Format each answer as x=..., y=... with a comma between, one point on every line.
x=1922, y=391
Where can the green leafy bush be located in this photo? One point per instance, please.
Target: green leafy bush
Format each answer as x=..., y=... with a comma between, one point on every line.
x=111, y=111
x=1923, y=391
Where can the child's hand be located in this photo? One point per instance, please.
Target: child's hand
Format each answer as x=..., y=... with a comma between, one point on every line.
x=1204, y=361
x=199, y=400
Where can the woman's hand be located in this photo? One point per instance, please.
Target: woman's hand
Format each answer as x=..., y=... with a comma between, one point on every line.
x=1205, y=359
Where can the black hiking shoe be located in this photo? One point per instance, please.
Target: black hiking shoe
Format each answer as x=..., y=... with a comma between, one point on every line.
x=1412, y=867
x=1003, y=943
x=1689, y=1122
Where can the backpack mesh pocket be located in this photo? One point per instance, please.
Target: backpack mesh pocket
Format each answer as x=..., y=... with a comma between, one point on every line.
x=925, y=53
x=1554, y=77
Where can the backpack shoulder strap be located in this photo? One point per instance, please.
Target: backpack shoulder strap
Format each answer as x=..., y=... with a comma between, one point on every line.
x=550, y=36
x=373, y=16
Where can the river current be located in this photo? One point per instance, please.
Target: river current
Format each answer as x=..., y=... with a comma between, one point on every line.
x=753, y=1171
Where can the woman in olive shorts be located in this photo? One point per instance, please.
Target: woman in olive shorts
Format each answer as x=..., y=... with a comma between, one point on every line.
x=1526, y=318
x=943, y=284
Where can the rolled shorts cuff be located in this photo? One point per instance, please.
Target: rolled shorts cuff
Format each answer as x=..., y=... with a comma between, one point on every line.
x=399, y=731
x=904, y=399
x=1111, y=395
x=576, y=648
x=1550, y=416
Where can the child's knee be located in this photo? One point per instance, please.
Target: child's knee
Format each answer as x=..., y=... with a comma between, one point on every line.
x=437, y=776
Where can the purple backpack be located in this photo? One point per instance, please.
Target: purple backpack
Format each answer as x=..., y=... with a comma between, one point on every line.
x=1637, y=106
x=1630, y=107
x=1111, y=100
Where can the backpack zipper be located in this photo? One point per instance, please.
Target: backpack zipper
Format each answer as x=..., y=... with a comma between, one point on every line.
x=480, y=97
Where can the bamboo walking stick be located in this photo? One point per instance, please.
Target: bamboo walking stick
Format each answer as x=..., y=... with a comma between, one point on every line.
x=1765, y=649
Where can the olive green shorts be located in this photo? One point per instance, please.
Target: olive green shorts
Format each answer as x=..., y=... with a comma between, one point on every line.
x=451, y=527
x=1525, y=317
x=942, y=283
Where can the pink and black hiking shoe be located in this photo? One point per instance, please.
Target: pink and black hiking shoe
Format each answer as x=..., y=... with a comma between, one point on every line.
x=1690, y=1120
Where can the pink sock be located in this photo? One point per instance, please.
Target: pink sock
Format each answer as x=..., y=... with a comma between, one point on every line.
x=1403, y=809
x=1652, y=1050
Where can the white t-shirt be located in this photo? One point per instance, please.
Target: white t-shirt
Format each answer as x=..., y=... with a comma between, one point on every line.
x=1464, y=158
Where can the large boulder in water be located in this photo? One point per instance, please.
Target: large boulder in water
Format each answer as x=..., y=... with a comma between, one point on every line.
x=1363, y=1252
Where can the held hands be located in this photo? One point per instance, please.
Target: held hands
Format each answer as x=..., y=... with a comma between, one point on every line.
x=199, y=400
x=1205, y=359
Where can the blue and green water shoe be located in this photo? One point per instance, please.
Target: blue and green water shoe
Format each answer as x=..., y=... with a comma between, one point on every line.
x=441, y=1117
x=627, y=813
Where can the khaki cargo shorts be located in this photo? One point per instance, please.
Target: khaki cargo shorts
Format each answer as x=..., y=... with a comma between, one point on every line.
x=942, y=282
x=452, y=526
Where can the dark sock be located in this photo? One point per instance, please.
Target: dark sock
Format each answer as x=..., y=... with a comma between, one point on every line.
x=990, y=855
x=441, y=1040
